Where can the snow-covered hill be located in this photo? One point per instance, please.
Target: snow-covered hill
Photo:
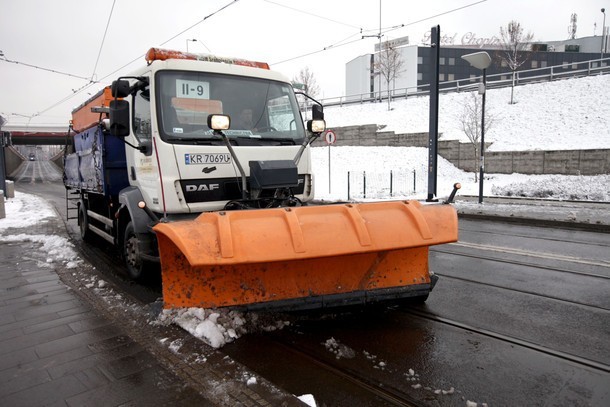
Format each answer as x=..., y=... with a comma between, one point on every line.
x=560, y=115
x=567, y=114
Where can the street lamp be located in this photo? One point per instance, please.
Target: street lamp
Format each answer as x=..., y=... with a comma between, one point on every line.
x=604, y=35
x=187, y=43
x=480, y=60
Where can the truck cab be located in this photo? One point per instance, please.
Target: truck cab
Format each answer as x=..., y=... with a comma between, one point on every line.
x=182, y=166
x=146, y=154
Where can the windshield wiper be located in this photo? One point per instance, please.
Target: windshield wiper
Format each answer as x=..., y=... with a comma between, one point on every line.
x=198, y=141
x=269, y=139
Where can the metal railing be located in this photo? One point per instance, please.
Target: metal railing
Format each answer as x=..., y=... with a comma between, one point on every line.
x=536, y=75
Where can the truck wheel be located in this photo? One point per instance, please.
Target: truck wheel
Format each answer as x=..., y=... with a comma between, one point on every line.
x=83, y=221
x=131, y=253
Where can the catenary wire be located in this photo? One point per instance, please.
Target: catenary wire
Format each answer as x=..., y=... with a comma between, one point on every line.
x=103, y=39
x=383, y=31
x=91, y=82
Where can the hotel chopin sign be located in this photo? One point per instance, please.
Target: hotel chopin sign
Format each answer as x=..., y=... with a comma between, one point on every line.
x=469, y=39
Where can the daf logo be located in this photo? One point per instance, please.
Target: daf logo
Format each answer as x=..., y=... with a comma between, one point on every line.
x=202, y=187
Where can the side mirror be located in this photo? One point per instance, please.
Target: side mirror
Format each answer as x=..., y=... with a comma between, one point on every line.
x=119, y=118
x=120, y=88
x=146, y=147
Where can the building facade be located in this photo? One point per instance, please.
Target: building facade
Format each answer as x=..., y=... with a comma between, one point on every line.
x=362, y=77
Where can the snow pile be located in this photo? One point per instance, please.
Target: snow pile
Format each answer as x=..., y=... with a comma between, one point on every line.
x=409, y=177
x=561, y=115
x=570, y=187
x=25, y=210
x=340, y=350
x=308, y=399
x=217, y=327
x=57, y=248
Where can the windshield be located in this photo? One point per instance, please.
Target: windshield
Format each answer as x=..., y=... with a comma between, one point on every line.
x=260, y=109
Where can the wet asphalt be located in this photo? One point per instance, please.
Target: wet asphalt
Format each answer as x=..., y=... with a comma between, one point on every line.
x=60, y=347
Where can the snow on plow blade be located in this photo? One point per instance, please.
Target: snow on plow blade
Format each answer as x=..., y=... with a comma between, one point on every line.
x=303, y=257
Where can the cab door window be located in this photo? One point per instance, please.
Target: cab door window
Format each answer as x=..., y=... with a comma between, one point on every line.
x=141, y=115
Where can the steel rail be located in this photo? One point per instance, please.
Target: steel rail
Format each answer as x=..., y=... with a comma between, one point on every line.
x=388, y=394
x=515, y=341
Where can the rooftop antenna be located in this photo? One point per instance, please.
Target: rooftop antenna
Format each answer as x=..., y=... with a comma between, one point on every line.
x=572, y=27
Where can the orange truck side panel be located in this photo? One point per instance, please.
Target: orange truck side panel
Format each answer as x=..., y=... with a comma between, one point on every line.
x=83, y=118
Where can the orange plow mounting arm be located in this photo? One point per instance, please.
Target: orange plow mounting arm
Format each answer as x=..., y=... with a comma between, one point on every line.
x=302, y=257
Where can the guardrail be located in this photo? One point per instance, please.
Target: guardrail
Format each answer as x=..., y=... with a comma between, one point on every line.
x=546, y=74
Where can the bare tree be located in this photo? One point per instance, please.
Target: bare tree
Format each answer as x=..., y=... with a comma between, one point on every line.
x=470, y=123
x=515, y=45
x=308, y=80
x=389, y=65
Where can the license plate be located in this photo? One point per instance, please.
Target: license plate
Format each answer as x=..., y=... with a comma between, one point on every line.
x=218, y=158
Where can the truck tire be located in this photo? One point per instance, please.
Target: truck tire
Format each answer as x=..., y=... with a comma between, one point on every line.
x=83, y=222
x=131, y=253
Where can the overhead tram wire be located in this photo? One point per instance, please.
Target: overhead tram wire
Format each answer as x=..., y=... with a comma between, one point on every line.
x=103, y=39
x=44, y=69
x=175, y=36
x=312, y=14
x=201, y=21
x=383, y=31
x=91, y=82
x=327, y=48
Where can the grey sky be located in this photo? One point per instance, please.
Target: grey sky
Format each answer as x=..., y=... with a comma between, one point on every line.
x=66, y=36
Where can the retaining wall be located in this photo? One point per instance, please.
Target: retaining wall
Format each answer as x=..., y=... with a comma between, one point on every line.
x=462, y=155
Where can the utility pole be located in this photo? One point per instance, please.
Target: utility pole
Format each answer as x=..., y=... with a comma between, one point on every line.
x=4, y=141
x=435, y=45
x=379, y=50
x=379, y=74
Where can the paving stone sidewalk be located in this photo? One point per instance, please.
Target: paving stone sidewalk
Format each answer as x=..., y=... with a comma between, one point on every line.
x=55, y=350
x=58, y=348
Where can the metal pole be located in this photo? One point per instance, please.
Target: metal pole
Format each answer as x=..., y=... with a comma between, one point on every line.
x=3, y=144
x=391, y=181
x=348, y=185
x=434, y=70
x=379, y=74
x=187, y=43
x=364, y=182
x=482, y=161
x=605, y=32
x=414, y=180
x=601, y=54
x=329, y=168
x=4, y=141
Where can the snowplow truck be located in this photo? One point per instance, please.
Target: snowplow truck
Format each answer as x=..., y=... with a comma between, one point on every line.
x=202, y=164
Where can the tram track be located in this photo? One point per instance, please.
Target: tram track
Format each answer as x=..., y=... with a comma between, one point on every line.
x=537, y=294
x=512, y=234
x=509, y=339
x=521, y=254
x=388, y=394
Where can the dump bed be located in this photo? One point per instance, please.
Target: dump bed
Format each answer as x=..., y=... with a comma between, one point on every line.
x=82, y=116
x=98, y=164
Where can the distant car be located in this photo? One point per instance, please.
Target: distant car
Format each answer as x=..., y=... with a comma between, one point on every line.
x=32, y=157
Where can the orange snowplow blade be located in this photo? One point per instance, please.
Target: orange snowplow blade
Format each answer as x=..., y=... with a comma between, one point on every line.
x=303, y=257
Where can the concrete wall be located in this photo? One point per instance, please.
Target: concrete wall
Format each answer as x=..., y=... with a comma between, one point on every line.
x=13, y=160
x=569, y=162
